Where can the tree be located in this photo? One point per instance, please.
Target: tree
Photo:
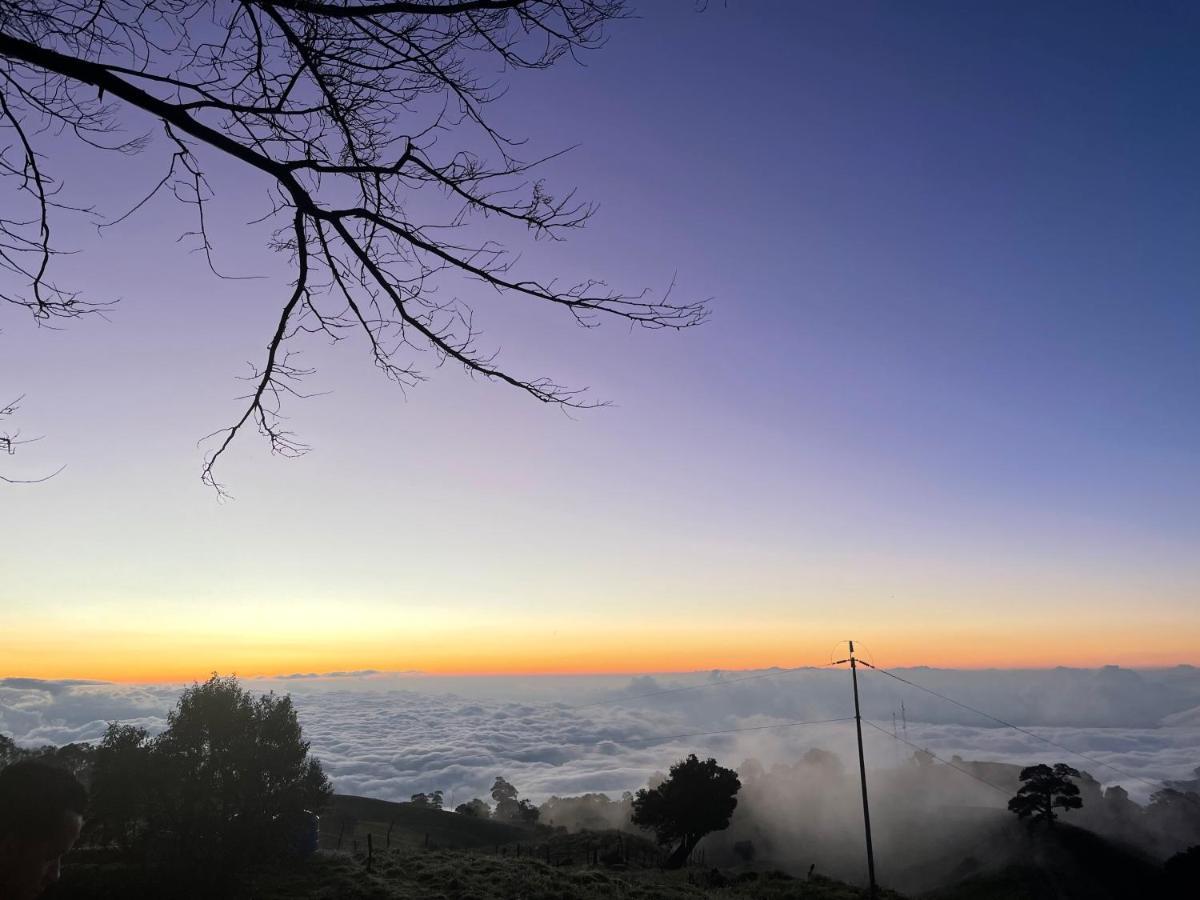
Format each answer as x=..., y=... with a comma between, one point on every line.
x=476, y=808
x=348, y=113
x=235, y=777
x=123, y=786
x=505, y=795
x=432, y=800
x=1045, y=789
x=696, y=798
x=527, y=812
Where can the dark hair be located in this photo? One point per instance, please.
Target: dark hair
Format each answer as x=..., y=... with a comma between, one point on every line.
x=34, y=797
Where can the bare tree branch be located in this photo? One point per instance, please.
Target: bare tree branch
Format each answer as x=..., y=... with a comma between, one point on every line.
x=11, y=440
x=349, y=110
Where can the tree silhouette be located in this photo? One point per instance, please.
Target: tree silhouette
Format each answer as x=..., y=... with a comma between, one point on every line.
x=432, y=800
x=367, y=122
x=527, y=812
x=508, y=807
x=123, y=786
x=476, y=808
x=1045, y=789
x=235, y=778
x=695, y=799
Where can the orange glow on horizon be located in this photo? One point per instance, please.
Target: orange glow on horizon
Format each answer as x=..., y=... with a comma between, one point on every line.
x=176, y=658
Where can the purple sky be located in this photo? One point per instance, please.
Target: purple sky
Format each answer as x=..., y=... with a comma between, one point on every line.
x=949, y=383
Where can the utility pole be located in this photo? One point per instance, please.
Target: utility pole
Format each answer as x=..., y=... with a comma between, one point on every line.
x=862, y=772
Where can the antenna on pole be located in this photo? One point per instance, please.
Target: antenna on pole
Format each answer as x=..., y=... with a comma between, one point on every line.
x=862, y=770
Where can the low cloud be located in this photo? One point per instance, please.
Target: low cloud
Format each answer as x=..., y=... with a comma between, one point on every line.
x=391, y=735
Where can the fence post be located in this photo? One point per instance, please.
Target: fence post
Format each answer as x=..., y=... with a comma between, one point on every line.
x=370, y=851
x=388, y=839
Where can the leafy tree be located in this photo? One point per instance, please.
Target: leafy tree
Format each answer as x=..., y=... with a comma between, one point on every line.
x=695, y=799
x=122, y=786
x=502, y=790
x=368, y=127
x=505, y=795
x=432, y=800
x=1045, y=789
x=476, y=808
x=236, y=778
x=527, y=812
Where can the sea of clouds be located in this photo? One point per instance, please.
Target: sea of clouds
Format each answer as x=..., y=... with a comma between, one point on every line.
x=390, y=735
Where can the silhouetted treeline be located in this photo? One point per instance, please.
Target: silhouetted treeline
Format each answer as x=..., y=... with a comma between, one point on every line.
x=228, y=782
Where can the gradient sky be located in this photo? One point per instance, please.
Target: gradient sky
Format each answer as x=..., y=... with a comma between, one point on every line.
x=946, y=403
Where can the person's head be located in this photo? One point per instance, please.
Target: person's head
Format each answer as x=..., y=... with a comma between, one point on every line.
x=41, y=814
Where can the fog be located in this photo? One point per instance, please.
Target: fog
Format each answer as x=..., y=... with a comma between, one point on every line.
x=391, y=735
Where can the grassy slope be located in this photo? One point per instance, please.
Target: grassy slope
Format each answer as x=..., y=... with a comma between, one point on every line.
x=468, y=875
x=411, y=823
x=1069, y=864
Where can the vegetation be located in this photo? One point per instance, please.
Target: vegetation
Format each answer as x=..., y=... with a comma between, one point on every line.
x=695, y=799
x=217, y=805
x=1183, y=871
x=459, y=875
x=477, y=808
x=1044, y=790
x=433, y=799
x=508, y=807
x=230, y=780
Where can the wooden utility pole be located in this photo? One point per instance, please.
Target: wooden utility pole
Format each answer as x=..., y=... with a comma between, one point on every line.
x=862, y=767
x=862, y=772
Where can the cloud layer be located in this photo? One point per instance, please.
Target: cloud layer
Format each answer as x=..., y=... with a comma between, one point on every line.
x=392, y=735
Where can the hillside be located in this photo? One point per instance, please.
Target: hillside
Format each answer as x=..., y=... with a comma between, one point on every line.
x=454, y=875
x=411, y=825
x=1065, y=863
x=439, y=855
x=436, y=855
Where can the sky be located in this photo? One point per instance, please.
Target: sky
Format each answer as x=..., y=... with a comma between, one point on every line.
x=945, y=403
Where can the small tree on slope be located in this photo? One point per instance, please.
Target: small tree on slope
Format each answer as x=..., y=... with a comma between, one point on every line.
x=1045, y=789
x=697, y=798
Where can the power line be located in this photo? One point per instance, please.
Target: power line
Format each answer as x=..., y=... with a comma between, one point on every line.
x=1026, y=731
x=675, y=737
x=968, y=772
x=695, y=687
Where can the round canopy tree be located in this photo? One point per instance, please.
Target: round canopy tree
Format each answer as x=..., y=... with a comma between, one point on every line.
x=1044, y=790
x=696, y=798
